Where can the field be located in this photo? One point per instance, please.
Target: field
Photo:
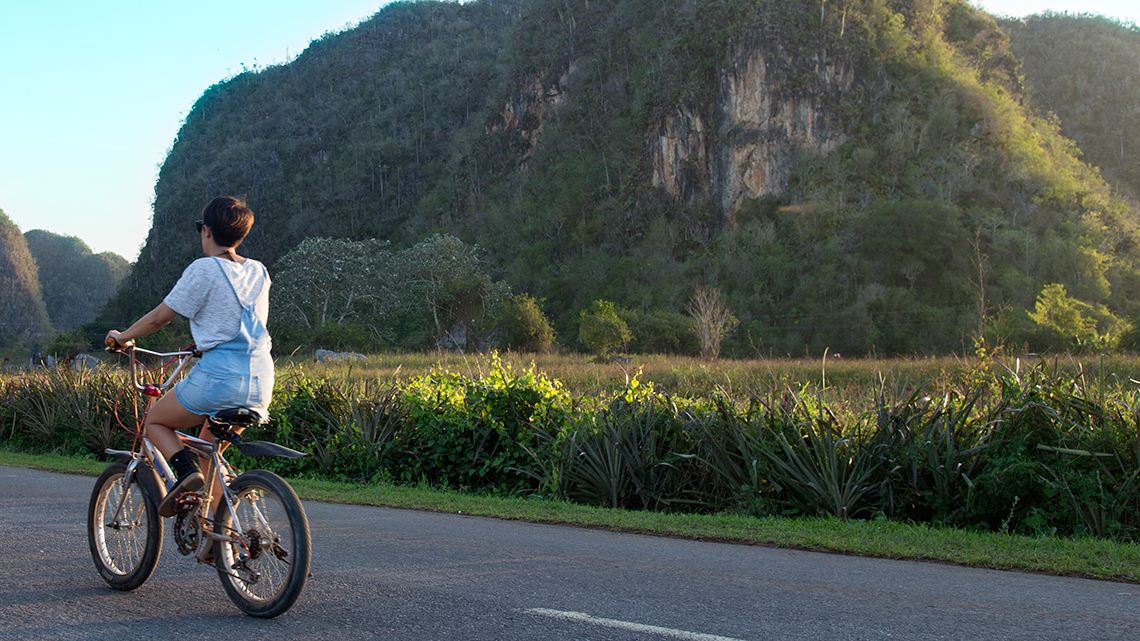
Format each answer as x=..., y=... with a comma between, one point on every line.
x=1030, y=445
x=837, y=379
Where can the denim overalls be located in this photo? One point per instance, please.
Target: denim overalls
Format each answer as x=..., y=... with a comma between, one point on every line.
x=237, y=373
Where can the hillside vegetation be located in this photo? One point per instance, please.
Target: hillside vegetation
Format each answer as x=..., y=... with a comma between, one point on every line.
x=1086, y=70
x=50, y=285
x=23, y=319
x=75, y=281
x=861, y=176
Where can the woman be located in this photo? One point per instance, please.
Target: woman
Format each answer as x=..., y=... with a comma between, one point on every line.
x=226, y=298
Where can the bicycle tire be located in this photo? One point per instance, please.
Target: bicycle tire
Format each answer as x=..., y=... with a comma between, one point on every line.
x=125, y=551
x=272, y=579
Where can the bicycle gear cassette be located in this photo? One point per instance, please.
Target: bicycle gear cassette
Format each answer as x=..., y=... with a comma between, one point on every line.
x=254, y=538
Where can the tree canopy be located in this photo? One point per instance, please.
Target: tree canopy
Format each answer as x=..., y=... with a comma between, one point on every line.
x=410, y=297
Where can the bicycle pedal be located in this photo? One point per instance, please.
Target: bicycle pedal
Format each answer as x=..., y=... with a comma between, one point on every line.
x=187, y=502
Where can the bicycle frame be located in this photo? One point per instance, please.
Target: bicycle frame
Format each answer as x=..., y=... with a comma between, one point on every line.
x=262, y=563
x=218, y=468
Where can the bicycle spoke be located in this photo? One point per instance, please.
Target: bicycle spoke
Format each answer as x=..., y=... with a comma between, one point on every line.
x=263, y=566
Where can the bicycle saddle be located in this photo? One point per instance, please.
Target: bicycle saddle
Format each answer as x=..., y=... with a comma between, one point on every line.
x=238, y=416
x=243, y=417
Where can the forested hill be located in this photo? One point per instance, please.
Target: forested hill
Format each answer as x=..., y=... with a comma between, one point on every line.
x=23, y=319
x=864, y=176
x=1086, y=70
x=50, y=283
x=75, y=281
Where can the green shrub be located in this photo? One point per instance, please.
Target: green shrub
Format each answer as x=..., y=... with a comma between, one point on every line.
x=525, y=326
x=602, y=330
x=67, y=344
x=1028, y=450
x=661, y=331
x=632, y=452
x=1065, y=323
x=480, y=433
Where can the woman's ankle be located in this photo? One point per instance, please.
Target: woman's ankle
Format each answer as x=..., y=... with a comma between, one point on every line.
x=184, y=463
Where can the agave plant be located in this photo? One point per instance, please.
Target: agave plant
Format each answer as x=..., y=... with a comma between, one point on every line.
x=933, y=451
x=733, y=456
x=820, y=467
x=630, y=454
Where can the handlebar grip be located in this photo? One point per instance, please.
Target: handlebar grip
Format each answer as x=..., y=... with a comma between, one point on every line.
x=115, y=346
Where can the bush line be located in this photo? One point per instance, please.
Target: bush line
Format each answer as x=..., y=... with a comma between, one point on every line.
x=1035, y=452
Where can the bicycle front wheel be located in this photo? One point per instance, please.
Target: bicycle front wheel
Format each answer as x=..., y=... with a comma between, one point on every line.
x=123, y=530
x=266, y=565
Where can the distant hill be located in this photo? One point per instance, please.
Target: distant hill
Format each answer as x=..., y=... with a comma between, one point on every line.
x=75, y=281
x=23, y=319
x=863, y=176
x=1086, y=69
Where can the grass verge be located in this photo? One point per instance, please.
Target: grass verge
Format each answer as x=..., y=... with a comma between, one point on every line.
x=1086, y=557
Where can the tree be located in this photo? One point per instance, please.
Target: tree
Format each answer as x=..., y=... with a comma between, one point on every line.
x=1077, y=324
x=333, y=280
x=443, y=277
x=327, y=286
x=602, y=329
x=714, y=320
x=525, y=327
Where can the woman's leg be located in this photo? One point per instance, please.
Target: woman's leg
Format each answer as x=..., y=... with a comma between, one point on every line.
x=165, y=417
x=216, y=490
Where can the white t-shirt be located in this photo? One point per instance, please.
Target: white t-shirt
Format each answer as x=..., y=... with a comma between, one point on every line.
x=205, y=297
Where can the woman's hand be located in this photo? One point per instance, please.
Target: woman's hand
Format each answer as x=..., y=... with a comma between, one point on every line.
x=115, y=339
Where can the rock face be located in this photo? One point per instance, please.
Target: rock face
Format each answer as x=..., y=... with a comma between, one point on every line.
x=529, y=107
x=680, y=156
x=760, y=127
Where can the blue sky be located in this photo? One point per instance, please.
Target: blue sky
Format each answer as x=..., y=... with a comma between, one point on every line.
x=93, y=94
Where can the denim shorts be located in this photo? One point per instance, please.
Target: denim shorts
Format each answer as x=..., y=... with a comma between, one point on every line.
x=207, y=393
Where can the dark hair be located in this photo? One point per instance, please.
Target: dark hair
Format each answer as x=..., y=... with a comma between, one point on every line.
x=229, y=220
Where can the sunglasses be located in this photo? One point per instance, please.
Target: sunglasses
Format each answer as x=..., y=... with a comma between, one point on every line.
x=199, y=225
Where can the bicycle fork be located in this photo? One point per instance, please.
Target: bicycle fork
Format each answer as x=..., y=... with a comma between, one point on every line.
x=128, y=478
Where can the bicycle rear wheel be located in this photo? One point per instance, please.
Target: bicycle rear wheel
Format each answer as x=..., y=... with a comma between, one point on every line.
x=265, y=571
x=123, y=530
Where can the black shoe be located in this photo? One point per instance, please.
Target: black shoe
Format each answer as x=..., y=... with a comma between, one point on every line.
x=189, y=483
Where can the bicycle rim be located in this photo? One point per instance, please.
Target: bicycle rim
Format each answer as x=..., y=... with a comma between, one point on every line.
x=125, y=542
x=275, y=541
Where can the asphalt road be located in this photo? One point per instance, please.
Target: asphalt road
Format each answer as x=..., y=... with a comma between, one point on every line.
x=400, y=574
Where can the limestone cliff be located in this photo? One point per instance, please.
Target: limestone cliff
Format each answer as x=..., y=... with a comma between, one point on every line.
x=760, y=127
x=527, y=110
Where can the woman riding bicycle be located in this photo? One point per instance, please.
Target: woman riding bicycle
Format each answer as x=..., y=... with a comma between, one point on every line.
x=226, y=298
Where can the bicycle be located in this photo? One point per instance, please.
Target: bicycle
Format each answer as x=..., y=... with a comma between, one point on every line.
x=258, y=539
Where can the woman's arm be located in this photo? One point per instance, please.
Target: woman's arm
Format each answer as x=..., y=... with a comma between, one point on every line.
x=155, y=320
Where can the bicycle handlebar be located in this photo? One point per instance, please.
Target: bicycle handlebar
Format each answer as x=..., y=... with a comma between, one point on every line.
x=131, y=350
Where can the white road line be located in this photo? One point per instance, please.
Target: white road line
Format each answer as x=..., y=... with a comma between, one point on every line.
x=626, y=625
